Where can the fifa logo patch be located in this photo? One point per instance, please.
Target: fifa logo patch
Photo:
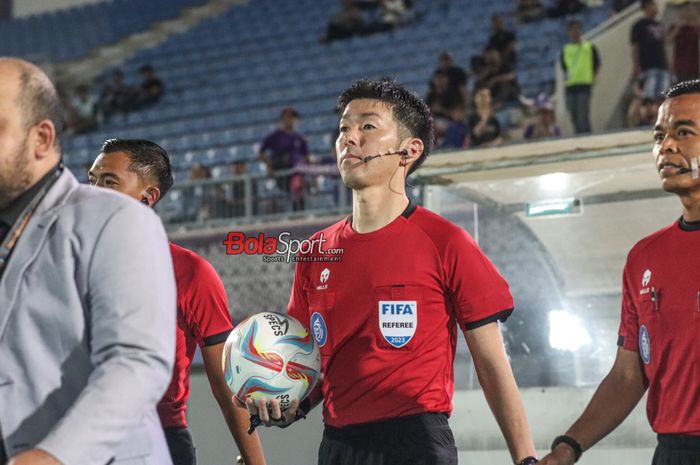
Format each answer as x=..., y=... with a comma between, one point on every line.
x=398, y=320
x=644, y=345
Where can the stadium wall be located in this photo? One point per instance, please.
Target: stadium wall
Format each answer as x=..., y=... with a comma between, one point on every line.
x=550, y=410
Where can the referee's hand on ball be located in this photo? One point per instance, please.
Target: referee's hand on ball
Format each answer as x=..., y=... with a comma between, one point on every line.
x=269, y=413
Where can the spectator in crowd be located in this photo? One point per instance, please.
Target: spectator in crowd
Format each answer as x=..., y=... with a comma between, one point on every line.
x=348, y=22
x=217, y=203
x=580, y=61
x=529, y=10
x=457, y=133
x=619, y=5
x=502, y=40
x=396, y=13
x=442, y=99
x=285, y=149
x=649, y=52
x=641, y=111
x=199, y=172
x=117, y=96
x=500, y=78
x=565, y=8
x=152, y=87
x=456, y=74
x=545, y=126
x=367, y=4
x=477, y=69
x=685, y=36
x=484, y=128
x=83, y=110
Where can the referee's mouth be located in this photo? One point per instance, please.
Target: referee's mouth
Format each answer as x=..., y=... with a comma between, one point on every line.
x=666, y=168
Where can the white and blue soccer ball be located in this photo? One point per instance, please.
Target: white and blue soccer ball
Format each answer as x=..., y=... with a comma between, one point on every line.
x=271, y=356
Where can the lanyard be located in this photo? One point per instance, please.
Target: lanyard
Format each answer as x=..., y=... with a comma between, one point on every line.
x=18, y=227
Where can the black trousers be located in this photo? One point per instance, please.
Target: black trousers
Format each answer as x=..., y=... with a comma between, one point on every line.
x=424, y=439
x=677, y=450
x=181, y=447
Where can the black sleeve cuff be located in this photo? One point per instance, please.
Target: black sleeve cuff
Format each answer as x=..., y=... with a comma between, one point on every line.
x=216, y=338
x=621, y=341
x=500, y=316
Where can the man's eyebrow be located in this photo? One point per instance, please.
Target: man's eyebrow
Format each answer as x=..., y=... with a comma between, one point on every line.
x=362, y=115
x=104, y=175
x=678, y=123
x=684, y=122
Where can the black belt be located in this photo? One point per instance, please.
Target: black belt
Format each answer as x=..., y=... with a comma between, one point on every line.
x=679, y=442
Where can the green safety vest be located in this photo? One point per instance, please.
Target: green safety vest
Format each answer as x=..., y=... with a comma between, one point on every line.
x=578, y=59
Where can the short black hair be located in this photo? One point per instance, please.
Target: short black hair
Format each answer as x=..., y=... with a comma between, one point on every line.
x=409, y=110
x=644, y=3
x=148, y=159
x=39, y=100
x=574, y=22
x=684, y=87
x=146, y=69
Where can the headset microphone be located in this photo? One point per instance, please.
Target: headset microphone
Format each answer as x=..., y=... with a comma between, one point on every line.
x=403, y=153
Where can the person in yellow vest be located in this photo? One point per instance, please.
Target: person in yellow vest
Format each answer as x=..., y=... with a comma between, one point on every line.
x=580, y=61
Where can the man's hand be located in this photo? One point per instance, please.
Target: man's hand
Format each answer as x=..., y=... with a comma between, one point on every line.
x=561, y=455
x=269, y=413
x=33, y=457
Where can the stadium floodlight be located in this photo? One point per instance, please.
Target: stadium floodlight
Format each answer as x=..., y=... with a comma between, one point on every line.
x=566, y=332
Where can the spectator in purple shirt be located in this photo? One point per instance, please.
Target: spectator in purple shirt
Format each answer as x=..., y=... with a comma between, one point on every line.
x=285, y=149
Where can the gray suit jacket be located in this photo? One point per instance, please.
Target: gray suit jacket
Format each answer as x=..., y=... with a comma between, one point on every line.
x=87, y=329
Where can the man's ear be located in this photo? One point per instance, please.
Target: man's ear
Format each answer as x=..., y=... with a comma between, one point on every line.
x=414, y=149
x=150, y=196
x=44, y=138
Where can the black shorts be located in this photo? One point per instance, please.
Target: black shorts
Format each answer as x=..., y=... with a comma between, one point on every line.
x=424, y=439
x=181, y=446
x=677, y=450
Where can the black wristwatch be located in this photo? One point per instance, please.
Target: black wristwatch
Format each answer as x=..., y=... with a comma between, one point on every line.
x=528, y=461
x=571, y=442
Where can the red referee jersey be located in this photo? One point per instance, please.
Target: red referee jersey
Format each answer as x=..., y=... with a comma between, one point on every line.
x=661, y=321
x=202, y=319
x=386, y=315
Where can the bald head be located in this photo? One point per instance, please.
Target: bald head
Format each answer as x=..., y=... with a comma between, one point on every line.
x=30, y=122
x=36, y=95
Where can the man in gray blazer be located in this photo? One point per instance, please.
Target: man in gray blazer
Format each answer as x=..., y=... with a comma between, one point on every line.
x=87, y=300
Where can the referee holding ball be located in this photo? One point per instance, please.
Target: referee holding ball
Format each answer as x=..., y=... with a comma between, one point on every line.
x=386, y=316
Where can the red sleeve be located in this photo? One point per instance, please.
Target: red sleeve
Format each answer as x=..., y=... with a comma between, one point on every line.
x=298, y=305
x=205, y=305
x=479, y=293
x=629, y=324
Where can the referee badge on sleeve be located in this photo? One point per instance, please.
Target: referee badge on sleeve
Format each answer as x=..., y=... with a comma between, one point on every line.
x=644, y=345
x=398, y=320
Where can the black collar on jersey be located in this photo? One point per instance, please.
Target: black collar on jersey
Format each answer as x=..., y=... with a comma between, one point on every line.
x=408, y=211
x=689, y=225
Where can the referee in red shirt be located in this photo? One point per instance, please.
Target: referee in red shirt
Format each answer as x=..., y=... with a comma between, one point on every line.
x=141, y=169
x=658, y=336
x=386, y=316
